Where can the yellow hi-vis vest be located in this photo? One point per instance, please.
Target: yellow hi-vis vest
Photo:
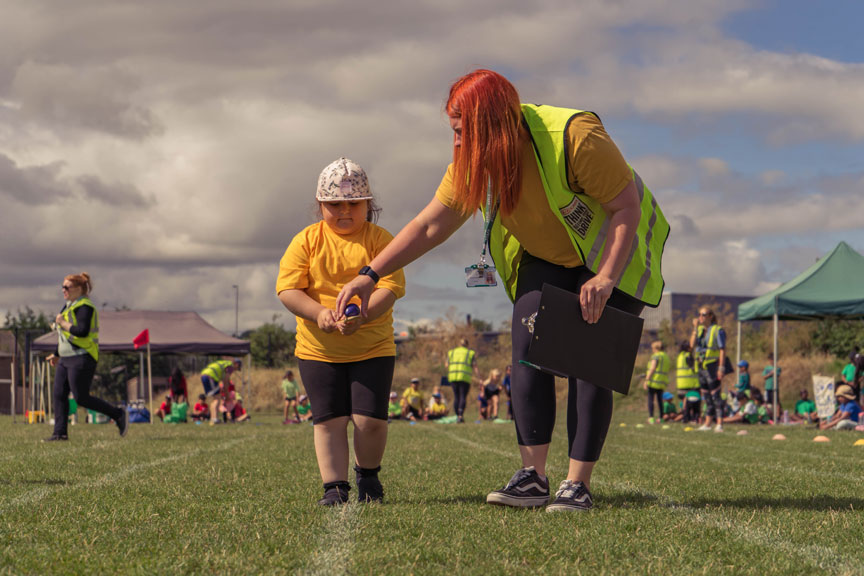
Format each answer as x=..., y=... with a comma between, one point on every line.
x=711, y=350
x=90, y=342
x=660, y=377
x=685, y=376
x=460, y=363
x=582, y=216
x=216, y=370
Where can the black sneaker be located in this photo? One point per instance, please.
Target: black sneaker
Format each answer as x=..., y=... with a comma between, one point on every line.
x=123, y=422
x=369, y=488
x=571, y=496
x=56, y=438
x=335, y=493
x=525, y=489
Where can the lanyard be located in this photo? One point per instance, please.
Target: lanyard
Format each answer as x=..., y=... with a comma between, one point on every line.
x=489, y=219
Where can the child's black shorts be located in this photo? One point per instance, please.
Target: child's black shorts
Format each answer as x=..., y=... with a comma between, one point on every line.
x=346, y=388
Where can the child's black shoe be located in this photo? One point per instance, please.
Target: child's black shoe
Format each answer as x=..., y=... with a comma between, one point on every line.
x=369, y=488
x=335, y=493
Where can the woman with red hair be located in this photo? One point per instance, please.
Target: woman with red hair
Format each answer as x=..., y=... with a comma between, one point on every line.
x=561, y=206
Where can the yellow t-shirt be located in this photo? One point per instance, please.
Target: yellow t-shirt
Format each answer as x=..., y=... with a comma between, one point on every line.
x=596, y=168
x=413, y=398
x=320, y=261
x=437, y=408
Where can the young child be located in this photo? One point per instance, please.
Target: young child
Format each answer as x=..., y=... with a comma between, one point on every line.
x=304, y=408
x=394, y=408
x=346, y=363
x=492, y=391
x=289, y=388
x=201, y=411
x=670, y=411
x=437, y=407
x=805, y=409
x=743, y=384
x=412, y=401
x=164, y=408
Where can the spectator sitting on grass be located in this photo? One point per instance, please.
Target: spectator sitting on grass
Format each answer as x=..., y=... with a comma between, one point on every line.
x=201, y=411
x=805, y=409
x=754, y=411
x=412, y=401
x=239, y=413
x=848, y=411
x=304, y=408
x=164, y=408
x=670, y=412
x=394, y=409
x=179, y=409
x=437, y=408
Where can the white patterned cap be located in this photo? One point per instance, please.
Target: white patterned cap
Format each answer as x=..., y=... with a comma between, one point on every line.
x=343, y=179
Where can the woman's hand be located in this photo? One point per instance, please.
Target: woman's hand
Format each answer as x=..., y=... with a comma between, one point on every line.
x=327, y=320
x=593, y=297
x=52, y=360
x=362, y=287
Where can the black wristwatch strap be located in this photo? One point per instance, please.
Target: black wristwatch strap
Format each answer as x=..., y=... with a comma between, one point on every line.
x=367, y=271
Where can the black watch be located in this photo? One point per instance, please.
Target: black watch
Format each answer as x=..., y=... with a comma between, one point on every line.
x=367, y=271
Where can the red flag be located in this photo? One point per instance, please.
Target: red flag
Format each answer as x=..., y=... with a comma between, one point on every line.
x=142, y=339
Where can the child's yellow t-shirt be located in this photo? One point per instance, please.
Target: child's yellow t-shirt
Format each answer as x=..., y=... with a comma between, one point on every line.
x=321, y=262
x=595, y=167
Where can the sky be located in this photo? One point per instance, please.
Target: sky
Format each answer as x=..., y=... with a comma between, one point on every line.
x=171, y=149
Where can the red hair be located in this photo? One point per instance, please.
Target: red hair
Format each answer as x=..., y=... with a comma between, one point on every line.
x=82, y=280
x=489, y=107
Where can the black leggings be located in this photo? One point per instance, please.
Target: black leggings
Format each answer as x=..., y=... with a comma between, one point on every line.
x=652, y=393
x=338, y=389
x=75, y=374
x=460, y=394
x=589, y=407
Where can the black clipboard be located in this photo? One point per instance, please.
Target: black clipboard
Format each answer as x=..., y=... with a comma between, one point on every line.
x=565, y=345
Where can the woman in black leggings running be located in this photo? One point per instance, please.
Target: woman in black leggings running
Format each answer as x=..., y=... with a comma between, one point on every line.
x=76, y=356
x=560, y=206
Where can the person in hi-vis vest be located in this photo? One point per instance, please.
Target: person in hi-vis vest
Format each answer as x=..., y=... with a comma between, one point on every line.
x=461, y=364
x=657, y=378
x=215, y=379
x=708, y=340
x=76, y=357
x=560, y=206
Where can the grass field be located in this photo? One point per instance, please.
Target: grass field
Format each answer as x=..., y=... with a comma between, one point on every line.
x=188, y=499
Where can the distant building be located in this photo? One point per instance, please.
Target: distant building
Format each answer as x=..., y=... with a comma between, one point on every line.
x=676, y=306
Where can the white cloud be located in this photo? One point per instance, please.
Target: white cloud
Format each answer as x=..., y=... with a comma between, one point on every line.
x=172, y=149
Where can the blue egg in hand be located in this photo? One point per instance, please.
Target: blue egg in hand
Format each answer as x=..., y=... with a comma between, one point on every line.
x=352, y=310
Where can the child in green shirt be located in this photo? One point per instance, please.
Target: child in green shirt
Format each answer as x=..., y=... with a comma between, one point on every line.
x=290, y=389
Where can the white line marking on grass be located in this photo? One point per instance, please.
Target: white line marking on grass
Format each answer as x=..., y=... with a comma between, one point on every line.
x=775, y=445
x=334, y=554
x=473, y=444
x=483, y=447
x=818, y=556
x=38, y=494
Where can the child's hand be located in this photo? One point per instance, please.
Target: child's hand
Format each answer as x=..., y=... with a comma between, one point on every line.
x=327, y=320
x=349, y=326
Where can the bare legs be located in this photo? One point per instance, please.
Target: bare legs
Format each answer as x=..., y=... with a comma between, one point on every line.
x=331, y=445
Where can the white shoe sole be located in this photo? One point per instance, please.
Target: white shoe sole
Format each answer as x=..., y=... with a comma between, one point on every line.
x=562, y=508
x=521, y=502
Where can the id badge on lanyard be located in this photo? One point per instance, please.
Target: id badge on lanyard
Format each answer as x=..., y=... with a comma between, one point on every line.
x=482, y=275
